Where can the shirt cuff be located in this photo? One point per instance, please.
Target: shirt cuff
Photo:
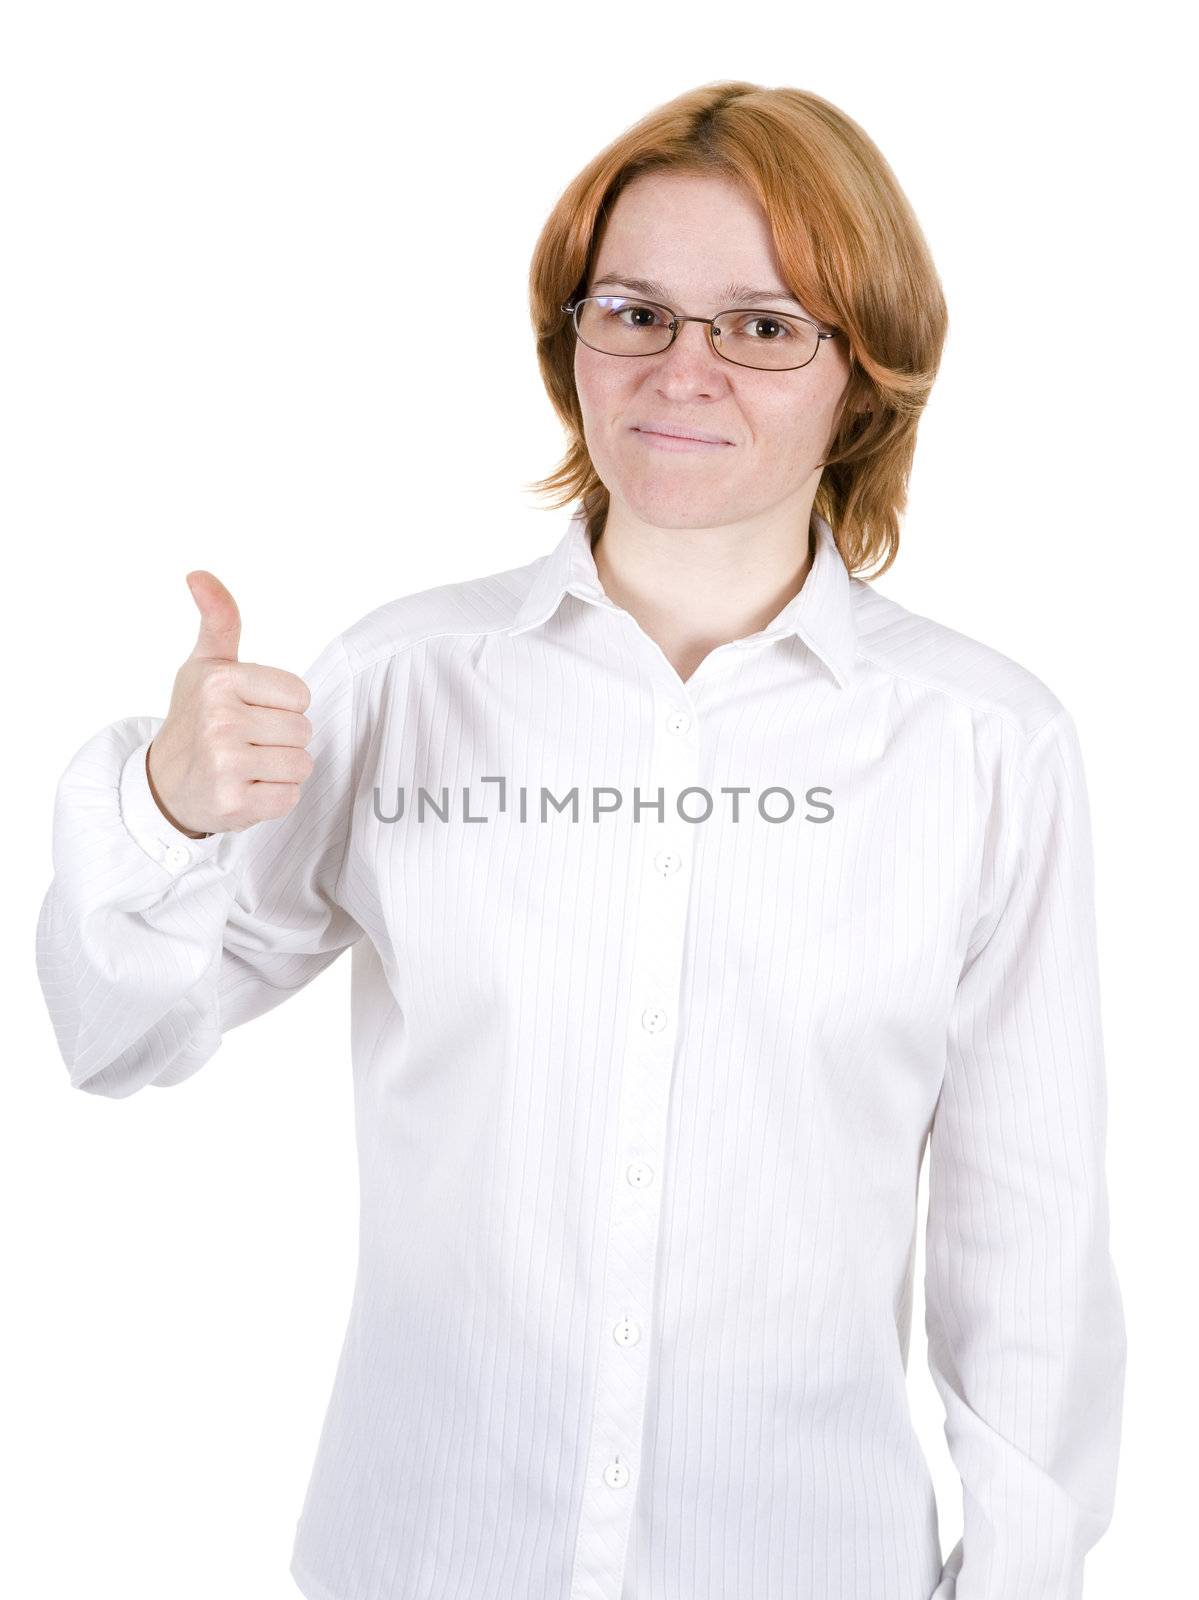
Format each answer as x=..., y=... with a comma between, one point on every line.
x=146, y=824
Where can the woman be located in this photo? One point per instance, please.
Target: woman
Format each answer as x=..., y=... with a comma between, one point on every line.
x=692, y=887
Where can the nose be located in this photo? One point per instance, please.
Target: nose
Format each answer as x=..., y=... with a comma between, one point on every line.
x=702, y=343
x=701, y=329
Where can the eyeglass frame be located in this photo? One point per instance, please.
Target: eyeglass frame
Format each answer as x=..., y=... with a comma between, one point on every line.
x=572, y=306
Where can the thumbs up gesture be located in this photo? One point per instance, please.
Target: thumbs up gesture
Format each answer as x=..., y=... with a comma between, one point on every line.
x=231, y=749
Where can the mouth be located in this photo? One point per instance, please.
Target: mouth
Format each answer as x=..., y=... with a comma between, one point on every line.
x=663, y=436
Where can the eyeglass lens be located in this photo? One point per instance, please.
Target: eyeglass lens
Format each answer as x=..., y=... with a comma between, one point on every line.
x=619, y=326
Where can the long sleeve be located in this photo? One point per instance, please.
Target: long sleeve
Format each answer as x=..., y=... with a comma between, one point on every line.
x=150, y=945
x=1024, y=1317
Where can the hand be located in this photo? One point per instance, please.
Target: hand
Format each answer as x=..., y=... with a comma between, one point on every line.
x=231, y=749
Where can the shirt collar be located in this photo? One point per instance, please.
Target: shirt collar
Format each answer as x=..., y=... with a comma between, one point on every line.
x=821, y=614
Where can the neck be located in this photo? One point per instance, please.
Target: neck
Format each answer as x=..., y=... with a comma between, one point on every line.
x=693, y=589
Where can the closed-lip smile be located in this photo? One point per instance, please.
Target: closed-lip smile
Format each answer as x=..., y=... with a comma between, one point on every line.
x=672, y=431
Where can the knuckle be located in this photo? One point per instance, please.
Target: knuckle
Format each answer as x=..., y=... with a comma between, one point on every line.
x=221, y=754
x=227, y=797
x=216, y=726
x=217, y=680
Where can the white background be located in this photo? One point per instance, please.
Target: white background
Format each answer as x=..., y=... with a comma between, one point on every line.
x=217, y=221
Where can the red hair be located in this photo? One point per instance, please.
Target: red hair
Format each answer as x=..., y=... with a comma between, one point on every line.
x=850, y=249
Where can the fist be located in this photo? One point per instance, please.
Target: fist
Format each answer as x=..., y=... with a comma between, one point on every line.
x=232, y=748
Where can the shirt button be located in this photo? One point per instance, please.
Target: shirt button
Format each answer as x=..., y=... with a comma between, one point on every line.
x=616, y=1474
x=177, y=856
x=639, y=1174
x=667, y=861
x=678, y=722
x=653, y=1019
x=626, y=1331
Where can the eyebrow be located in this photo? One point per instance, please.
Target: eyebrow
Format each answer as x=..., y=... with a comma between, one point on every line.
x=659, y=291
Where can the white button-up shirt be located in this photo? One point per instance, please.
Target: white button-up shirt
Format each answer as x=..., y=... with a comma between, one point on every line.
x=659, y=988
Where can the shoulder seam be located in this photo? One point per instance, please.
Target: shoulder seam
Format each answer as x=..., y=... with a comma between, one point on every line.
x=424, y=638
x=969, y=705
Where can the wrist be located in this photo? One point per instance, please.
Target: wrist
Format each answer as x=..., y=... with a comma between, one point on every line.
x=174, y=821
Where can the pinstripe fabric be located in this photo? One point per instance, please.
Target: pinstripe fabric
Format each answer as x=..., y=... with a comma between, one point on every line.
x=642, y=1096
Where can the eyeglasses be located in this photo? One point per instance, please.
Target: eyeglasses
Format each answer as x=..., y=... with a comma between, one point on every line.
x=618, y=326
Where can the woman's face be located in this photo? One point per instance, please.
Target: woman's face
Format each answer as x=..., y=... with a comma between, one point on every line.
x=695, y=234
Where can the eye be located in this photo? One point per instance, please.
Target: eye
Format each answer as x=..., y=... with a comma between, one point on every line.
x=783, y=329
x=633, y=313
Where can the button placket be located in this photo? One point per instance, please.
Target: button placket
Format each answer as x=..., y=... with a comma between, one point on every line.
x=635, y=1201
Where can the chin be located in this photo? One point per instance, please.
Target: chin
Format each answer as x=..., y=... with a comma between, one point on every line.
x=691, y=510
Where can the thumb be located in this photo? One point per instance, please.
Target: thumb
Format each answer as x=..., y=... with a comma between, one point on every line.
x=220, y=620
